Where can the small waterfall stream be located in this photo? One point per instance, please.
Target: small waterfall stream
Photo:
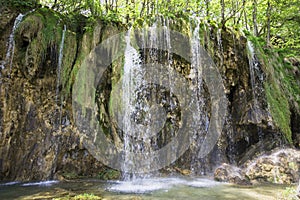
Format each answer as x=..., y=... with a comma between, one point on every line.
x=132, y=79
x=252, y=64
x=220, y=46
x=11, y=44
x=200, y=115
x=10, y=53
x=58, y=97
x=256, y=81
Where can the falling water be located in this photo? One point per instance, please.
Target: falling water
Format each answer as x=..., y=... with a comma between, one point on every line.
x=220, y=46
x=166, y=35
x=132, y=79
x=11, y=44
x=252, y=65
x=256, y=81
x=10, y=53
x=196, y=76
x=60, y=58
x=137, y=135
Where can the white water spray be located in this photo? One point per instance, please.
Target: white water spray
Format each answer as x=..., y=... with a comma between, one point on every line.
x=59, y=65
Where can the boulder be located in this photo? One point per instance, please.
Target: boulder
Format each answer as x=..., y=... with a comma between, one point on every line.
x=281, y=166
x=230, y=174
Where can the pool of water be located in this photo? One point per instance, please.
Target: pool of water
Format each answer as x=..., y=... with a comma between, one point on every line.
x=148, y=189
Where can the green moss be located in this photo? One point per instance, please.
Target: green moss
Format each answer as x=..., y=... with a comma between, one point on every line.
x=290, y=193
x=69, y=56
x=109, y=174
x=279, y=108
x=280, y=86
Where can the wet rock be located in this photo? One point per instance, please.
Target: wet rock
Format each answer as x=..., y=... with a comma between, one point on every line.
x=231, y=174
x=282, y=166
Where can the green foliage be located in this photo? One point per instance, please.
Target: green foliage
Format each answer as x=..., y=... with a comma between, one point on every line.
x=282, y=17
x=20, y=4
x=289, y=193
x=279, y=108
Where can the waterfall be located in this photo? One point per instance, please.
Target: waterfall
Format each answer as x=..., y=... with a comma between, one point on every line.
x=252, y=64
x=167, y=39
x=10, y=53
x=256, y=81
x=220, y=46
x=60, y=59
x=256, y=75
x=11, y=44
x=140, y=100
x=196, y=75
x=132, y=79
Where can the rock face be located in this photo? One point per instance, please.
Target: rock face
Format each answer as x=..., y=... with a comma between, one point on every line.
x=38, y=136
x=34, y=145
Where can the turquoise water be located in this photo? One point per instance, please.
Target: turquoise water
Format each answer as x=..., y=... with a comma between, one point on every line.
x=148, y=189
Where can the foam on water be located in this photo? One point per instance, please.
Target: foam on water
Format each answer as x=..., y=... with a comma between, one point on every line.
x=153, y=184
x=9, y=183
x=41, y=183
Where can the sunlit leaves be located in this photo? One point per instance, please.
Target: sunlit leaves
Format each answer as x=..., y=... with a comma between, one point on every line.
x=273, y=18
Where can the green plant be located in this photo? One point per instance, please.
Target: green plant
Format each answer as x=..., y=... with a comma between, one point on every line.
x=21, y=3
x=289, y=193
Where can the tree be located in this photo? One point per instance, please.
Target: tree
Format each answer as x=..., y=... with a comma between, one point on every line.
x=254, y=18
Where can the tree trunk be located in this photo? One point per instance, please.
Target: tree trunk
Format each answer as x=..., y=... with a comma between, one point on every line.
x=268, y=22
x=242, y=12
x=222, y=13
x=254, y=18
x=143, y=8
x=207, y=8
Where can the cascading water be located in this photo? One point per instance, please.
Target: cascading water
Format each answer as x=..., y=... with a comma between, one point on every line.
x=220, y=46
x=10, y=53
x=199, y=115
x=252, y=65
x=140, y=100
x=132, y=78
x=11, y=44
x=58, y=97
x=256, y=81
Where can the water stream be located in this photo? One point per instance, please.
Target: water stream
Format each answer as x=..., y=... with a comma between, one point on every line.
x=196, y=75
x=58, y=97
x=10, y=53
x=252, y=65
x=256, y=81
x=132, y=80
x=11, y=44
